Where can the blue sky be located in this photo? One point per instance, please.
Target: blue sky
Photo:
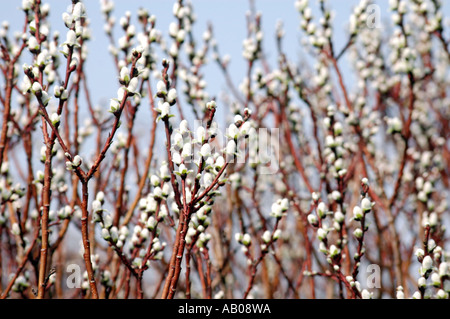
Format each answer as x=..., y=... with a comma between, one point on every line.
x=227, y=17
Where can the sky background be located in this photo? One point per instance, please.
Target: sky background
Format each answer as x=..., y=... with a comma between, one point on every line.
x=226, y=16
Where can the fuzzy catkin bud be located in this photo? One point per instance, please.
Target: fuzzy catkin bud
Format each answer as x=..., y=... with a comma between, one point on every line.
x=312, y=219
x=321, y=210
x=246, y=240
x=357, y=213
x=366, y=205
x=427, y=263
x=358, y=233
